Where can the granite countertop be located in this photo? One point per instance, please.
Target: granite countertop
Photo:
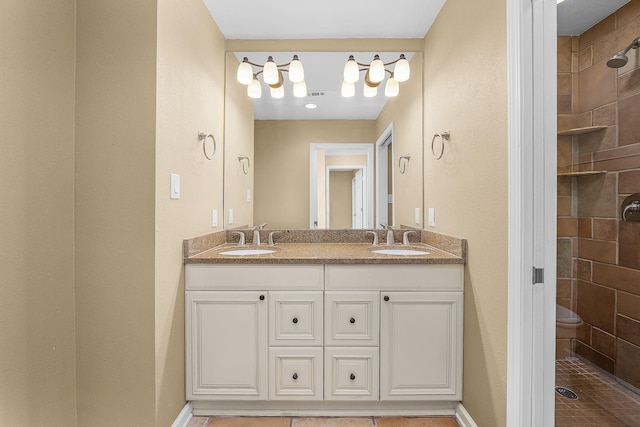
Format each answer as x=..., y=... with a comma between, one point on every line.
x=325, y=247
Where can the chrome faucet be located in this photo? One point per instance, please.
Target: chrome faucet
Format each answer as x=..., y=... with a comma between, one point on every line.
x=271, y=242
x=405, y=237
x=375, y=237
x=241, y=241
x=390, y=240
x=256, y=236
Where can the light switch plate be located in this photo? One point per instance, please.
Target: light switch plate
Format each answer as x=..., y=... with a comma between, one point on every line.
x=248, y=195
x=230, y=216
x=432, y=217
x=214, y=218
x=417, y=215
x=175, y=186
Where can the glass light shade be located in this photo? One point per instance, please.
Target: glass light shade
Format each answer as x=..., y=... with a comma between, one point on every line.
x=392, y=88
x=402, y=71
x=254, y=90
x=376, y=70
x=300, y=89
x=370, y=92
x=277, y=92
x=351, y=71
x=348, y=89
x=245, y=73
x=296, y=71
x=270, y=72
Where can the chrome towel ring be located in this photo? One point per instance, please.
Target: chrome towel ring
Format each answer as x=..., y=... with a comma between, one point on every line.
x=203, y=137
x=245, y=162
x=403, y=165
x=444, y=136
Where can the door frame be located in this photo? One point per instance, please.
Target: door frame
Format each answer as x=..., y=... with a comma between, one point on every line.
x=327, y=188
x=382, y=173
x=532, y=68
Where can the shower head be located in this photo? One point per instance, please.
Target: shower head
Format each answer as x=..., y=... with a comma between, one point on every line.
x=620, y=59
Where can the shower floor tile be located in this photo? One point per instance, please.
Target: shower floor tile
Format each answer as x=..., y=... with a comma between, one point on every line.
x=601, y=400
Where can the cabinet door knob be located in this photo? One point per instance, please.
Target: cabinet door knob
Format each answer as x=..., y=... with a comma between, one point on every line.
x=261, y=297
x=352, y=377
x=352, y=320
x=295, y=320
x=295, y=376
x=386, y=297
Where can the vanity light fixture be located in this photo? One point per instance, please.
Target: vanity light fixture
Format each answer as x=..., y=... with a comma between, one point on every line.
x=375, y=74
x=272, y=76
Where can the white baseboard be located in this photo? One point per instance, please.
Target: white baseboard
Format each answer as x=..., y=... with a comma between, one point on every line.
x=184, y=416
x=463, y=418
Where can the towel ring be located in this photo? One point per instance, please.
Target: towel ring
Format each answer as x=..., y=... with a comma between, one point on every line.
x=203, y=137
x=444, y=136
x=403, y=166
x=242, y=159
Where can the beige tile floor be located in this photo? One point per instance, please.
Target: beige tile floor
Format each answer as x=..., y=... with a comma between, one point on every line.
x=601, y=400
x=323, y=422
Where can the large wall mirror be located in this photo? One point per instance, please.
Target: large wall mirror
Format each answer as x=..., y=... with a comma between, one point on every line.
x=342, y=162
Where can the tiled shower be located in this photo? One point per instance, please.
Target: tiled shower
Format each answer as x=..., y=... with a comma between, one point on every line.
x=598, y=272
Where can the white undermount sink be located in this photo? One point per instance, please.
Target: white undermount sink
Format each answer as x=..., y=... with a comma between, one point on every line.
x=247, y=251
x=399, y=251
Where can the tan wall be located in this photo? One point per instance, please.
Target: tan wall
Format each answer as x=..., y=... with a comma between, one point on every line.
x=282, y=165
x=115, y=211
x=238, y=141
x=37, y=349
x=190, y=98
x=405, y=112
x=466, y=93
x=340, y=199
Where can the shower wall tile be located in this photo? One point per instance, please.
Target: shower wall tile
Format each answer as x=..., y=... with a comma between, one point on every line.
x=597, y=86
x=565, y=258
x=616, y=277
x=603, y=342
x=630, y=246
x=564, y=54
x=596, y=305
x=595, y=357
x=629, y=305
x=611, y=43
x=597, y=141
x=564, y=206
x=605, y=229
x=628, y=329
x=585, y=227
x=564, y=84
x=601, y=29
x=571, y=121
x=628, y=12
x=563, y=288
x=597, y=196
x=565, y=104
x=606, y=115
x=629, y=84
x=629, y=131
x=567, y=227
x=585, y=58
x=627, y=356
x=598, y=250
x=564, y=186
x=629, y=182
x=584, y=270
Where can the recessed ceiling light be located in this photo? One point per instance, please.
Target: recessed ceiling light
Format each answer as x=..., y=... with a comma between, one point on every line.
x=310, y=106
x=560, y=1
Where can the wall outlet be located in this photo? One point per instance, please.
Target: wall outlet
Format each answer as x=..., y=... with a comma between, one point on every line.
x=230, y=216
x=432, y=217
x=214, y=218
x=175, y=186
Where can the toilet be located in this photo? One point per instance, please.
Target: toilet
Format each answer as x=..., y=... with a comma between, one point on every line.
x=567, y=323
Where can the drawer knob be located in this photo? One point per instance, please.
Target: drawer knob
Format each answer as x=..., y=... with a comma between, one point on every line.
x=386, y=297
x=352, y=320
x=261, y=297
x=295, y=320
x=295, y=376
x=352, y=377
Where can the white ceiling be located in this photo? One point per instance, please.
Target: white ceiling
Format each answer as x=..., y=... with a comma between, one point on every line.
x=294, y=19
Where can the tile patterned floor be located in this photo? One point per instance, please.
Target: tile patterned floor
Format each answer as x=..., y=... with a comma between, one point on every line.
x=601, y=400
x=323, y=422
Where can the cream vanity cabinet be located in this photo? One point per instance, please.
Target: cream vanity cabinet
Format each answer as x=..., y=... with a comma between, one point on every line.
x=326, y=333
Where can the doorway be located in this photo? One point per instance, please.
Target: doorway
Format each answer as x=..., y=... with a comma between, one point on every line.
x=345, y=197
x=384, y=178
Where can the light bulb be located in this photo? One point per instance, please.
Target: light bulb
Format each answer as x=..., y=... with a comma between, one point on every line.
x=402, y=71
x=245, y=72
x=254, y=90
x=351, y=71
x=370, y=92
x=392, y=88
x=348, y=89
x=277, y=92
x=300, y=89
x=376, y=70
x=296, y=71
x=270, y=73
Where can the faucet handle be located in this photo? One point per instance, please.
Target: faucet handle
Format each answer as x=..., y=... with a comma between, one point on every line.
x=375, y=237
x=405, y=237
x=241, y=241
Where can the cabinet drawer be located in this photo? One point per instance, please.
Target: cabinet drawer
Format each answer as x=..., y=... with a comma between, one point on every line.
x=295, y=318
x=351, y=318
x=352, y=373
x=403, y=277
x=295, y=373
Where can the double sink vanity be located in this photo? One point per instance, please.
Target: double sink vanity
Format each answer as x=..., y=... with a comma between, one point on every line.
x=323, y=322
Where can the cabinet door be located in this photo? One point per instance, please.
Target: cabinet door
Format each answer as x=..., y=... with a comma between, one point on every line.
x=421, y=346
x=295, y=318
x=226, y=345
x=351, y=318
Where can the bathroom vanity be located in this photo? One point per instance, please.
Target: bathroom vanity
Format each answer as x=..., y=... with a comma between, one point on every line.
x=324, y=328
